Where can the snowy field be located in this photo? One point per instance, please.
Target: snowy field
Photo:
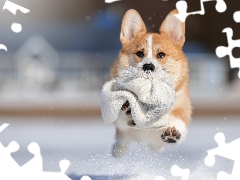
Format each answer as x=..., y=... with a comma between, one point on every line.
x=87, y=144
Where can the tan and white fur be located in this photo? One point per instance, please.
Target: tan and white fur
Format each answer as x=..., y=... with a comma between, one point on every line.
x=165, y=48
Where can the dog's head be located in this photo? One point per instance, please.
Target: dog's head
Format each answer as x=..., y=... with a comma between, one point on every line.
x=154, y=50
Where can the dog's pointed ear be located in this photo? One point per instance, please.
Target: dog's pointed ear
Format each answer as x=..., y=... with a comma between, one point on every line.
x=132, y=24
x=174, y=28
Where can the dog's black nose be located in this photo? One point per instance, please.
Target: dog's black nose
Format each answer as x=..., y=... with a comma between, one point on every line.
x=148, y=67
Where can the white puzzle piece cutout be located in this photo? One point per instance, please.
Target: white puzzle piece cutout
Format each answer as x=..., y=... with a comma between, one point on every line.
x=182, y=9
x=12, y=7
x=8, y=166
x=147, y=177
x=177, y=171
x=111, y=1
x=222, y=51
x=64, y=165
x=236, y=16
x=33, y=169
x=35, y=164
x=7, y=163
x=159, y=178
x=85, y=178
x=17, y=28
x=3, y=47
x=4, y=126
x=227, y=150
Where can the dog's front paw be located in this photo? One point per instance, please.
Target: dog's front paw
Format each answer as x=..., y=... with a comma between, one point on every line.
x=171, y=135
x=126, y=107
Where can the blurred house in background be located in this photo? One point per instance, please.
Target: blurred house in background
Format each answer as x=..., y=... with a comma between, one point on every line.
x=36, y=63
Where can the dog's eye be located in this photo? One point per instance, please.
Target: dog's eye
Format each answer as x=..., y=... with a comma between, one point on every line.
x=161, y=55
x=140, y=54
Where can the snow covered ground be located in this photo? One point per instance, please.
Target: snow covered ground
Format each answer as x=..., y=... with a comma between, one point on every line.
x=87, y=144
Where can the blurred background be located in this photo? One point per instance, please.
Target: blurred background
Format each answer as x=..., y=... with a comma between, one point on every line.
x=52, y=74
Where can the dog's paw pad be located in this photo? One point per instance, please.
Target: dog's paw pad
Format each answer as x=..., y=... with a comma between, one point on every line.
x=171, y=135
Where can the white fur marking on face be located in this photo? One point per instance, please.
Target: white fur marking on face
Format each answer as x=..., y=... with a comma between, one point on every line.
x=149, y=58
x=149, y=40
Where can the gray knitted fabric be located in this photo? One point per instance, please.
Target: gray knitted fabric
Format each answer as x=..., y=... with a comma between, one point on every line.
x=150, y=95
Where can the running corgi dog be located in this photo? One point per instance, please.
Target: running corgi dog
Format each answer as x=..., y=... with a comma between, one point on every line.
x=164, y=48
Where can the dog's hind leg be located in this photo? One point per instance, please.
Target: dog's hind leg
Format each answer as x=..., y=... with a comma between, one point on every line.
x=123, y=139
x=121, y=145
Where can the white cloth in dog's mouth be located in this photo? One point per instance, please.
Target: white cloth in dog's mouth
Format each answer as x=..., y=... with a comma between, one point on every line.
x=150, y=95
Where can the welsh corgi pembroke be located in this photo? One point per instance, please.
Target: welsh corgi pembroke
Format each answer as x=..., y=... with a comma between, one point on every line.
x=164, y=47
